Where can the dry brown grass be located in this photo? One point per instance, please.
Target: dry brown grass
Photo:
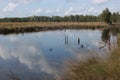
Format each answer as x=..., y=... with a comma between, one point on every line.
x=22, y=27
x=49, y=24
x=92, y=69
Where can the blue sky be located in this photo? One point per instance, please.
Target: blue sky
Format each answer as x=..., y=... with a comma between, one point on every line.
x=23, y=8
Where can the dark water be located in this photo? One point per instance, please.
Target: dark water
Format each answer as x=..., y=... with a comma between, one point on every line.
x=42, y=55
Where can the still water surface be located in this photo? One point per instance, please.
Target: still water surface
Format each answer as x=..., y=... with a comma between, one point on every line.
x=42, y=55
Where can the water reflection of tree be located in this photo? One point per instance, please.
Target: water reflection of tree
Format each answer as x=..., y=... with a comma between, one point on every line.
x=116, y=32
x=118, y=40
x=106, y=35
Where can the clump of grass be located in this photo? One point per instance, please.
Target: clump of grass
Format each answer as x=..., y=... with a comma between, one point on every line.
x=93, y=69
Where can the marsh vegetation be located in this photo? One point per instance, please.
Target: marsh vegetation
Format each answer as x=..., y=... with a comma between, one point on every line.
x=95, y=69
x=18, y=27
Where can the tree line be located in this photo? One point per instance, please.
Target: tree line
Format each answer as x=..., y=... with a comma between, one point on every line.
x=71, y=18
x=105, y=16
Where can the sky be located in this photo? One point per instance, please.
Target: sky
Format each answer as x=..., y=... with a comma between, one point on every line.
x=25, y=8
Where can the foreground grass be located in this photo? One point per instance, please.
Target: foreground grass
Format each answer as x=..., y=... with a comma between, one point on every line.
x=92, y=69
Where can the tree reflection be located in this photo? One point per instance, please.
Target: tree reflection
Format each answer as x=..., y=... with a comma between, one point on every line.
x=107, y=33
x=118, y=40
x=116, y=32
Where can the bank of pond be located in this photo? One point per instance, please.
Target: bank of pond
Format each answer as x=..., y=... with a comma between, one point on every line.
x=22, y=27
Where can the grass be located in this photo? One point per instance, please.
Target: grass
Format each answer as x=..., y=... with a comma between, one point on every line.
x=93, y=69
x=49, y=24
x=21, y=27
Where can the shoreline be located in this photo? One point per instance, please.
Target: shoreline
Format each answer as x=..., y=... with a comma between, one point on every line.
x=23, y=27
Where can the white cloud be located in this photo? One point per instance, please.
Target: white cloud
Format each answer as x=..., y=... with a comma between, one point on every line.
x=99, y=1
x=48, y=11
x=82, y=11
x=58, y=10
x=37, y=11
x=69, y=11
x=45, y=11
x=91, y=9
x=71, y=1
x=26, y=53
x=74, y=11
x=24, y=1
x=10, y=7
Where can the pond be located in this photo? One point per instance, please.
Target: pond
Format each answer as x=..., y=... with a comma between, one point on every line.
x=42, y=55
